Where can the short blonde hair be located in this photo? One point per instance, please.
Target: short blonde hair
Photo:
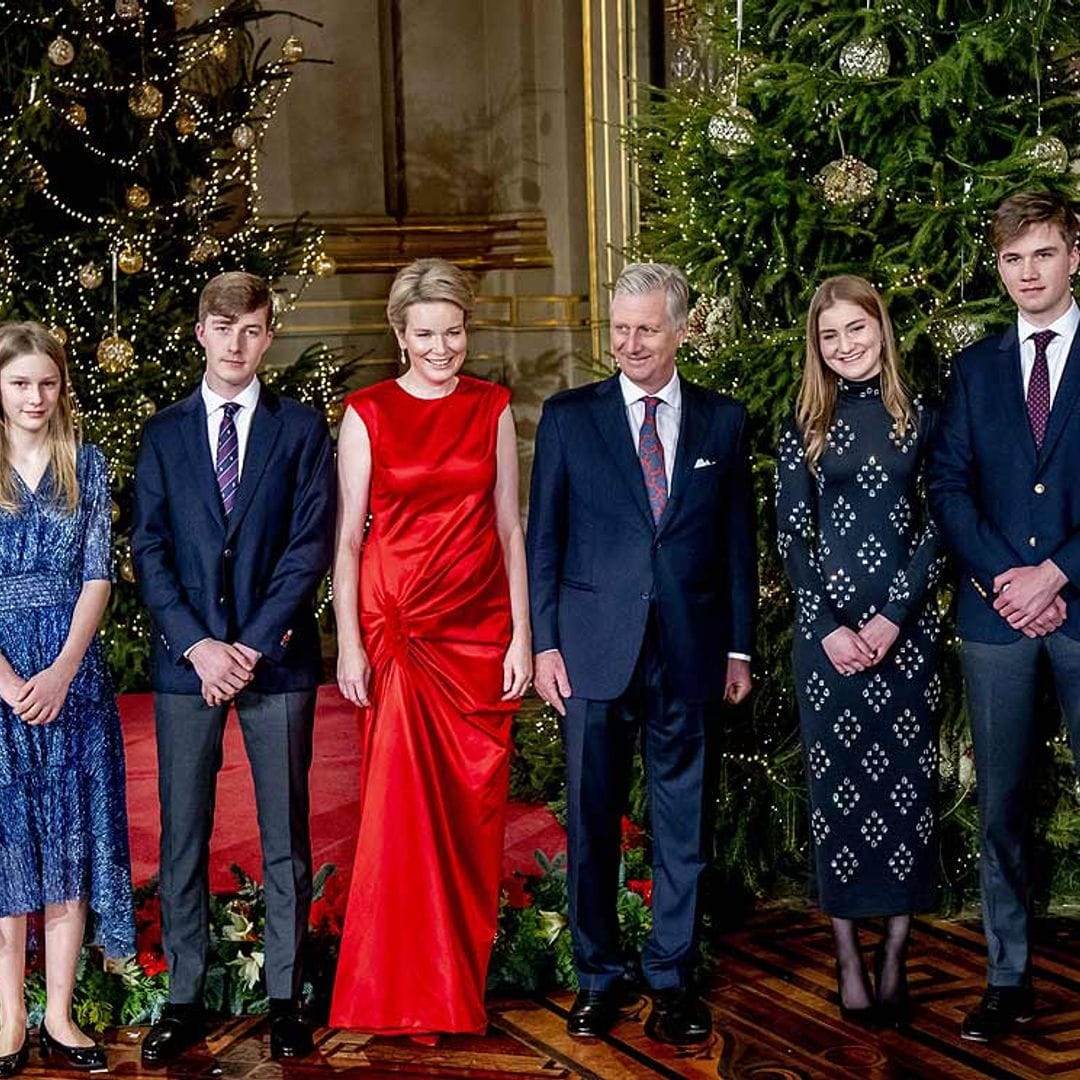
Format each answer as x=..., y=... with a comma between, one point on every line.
x=637, y=279
x=426, y=281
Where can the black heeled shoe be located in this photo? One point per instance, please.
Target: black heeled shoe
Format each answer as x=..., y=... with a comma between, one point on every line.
x=13, y=1064
x=85, y=1058
x=894, y=1011
x=864, y=1016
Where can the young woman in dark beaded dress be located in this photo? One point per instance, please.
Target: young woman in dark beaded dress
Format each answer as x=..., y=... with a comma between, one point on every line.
x=862, y=558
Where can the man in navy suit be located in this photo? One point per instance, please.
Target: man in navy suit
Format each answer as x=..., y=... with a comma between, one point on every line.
x=643, y=584
x=234, y=513
x=1005, y=491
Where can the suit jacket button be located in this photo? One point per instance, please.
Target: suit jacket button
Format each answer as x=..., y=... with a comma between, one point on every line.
x=221, y=599
x=227, y=553
x=1032, y=541
x=1039, y=489
x=644, y=596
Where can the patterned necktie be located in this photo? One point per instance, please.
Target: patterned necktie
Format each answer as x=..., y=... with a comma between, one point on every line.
x=228, y=457
x=651, y=452
x=1038, y=395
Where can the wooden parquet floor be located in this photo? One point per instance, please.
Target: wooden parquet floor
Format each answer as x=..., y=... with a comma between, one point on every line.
x=774, y=1009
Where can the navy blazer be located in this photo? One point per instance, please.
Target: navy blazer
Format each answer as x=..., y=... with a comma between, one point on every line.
x=998, y=502
x=597, y=562
x=251, y=577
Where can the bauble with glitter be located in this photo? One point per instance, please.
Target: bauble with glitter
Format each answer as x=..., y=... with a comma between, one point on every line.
x=146, y=101
x=846, y=181
x=137, y=197
x=75, y=114
x=865, y=58
x=324, y=265
x=731, y=130
x=205, y=248
x=130, y=259
x=61, y=51
x=292, y=50
x=128, y=9
x=115, y=354
x=243, y=136
x=1047, y=153
x=90, y=275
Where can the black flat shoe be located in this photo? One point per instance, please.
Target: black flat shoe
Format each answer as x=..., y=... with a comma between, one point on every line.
x=85, y=1058
x=592, y=1014
x=892, y=1011
x=678, y=1017
x=865, y=1016
x=13, y=1064
x=180, y=1028
x=290, y=1036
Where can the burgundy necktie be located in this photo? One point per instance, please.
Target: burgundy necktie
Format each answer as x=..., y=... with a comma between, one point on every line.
x=1038, y=395
x=651, y=452
x=228, y=457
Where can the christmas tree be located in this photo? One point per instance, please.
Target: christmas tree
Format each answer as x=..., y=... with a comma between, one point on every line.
x=804, y=138
x=130, y=136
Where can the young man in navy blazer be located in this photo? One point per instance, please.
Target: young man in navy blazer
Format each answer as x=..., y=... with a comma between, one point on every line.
x=1005, y=491
x=234, y=516
x=643, y=585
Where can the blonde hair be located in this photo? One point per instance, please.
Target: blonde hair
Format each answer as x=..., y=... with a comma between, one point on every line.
x=426, y=281
x=23, y=339
x=816, y=403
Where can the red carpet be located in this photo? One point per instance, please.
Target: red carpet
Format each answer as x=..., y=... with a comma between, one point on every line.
x=335, y=774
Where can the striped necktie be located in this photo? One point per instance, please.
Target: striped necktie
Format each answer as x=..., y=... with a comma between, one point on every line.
x=228, y=457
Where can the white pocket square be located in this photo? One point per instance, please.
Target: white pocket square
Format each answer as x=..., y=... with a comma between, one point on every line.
x=703, y=463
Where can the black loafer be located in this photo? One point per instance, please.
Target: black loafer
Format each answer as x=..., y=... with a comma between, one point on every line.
x=592, y=1014
x=678, y=1017
x=1000, y=1008
x=13, y=1064
x=180, y=1027
x=290, y=1033
x=85, y=1058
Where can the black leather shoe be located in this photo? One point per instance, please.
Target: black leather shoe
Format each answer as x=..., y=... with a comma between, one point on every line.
x=892, y=1011
x=290, y=1033
x=679, y=1017
x=13, y=1064
x=180, y=1027
x=1000, y=1008
x=86, y=1058
x=592, y=1014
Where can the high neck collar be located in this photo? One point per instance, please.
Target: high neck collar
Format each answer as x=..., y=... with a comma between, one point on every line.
x=867, y=388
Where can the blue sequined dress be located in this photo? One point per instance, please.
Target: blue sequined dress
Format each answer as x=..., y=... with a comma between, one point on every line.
x=63, y=822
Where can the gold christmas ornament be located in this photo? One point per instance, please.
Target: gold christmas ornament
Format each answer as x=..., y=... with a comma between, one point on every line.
x=146, y=408
x=61, y=51
x=1047, y=153
x=90, y=275
x=731, y=130
x=292, y=50
x=130, y=259
x=146, y=101
x=115, y=354
x=243, y=136
x=335, y=411
x=128, y=9
x=127, y=569
x=219, y=51
x=865, y=58
x=186, y=124
x=137, y=197
x=846, y=181
x=324, y=265
x=59, y=333
x=36, y=176
x=75, y=113
x=205, y=248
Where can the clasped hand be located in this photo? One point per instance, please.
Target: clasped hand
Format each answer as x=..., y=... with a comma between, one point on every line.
x=223, y=668
x=1026, y=597
x=850, y=651
x=39, y=699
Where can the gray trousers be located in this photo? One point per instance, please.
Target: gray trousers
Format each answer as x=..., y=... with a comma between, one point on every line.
x=1000, y=683
x=277, y=731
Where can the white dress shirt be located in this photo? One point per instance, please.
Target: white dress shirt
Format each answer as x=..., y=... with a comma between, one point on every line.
x=1057, y=350
x=668, y=416
x=215, y=404
x=668, y=420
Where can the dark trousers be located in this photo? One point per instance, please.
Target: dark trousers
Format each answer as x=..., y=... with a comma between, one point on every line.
x=600, y=737
x=1001, y=682
x=277, y=730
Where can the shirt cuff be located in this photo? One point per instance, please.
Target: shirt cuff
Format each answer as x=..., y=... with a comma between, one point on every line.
x=738, y=656
x=191, y=648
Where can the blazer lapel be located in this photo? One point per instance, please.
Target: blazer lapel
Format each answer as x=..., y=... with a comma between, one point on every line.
x=1064, y=400
x=1012, y=391
x=265, y=426
x=197, y=445
x=610, y=417
x=692, y=429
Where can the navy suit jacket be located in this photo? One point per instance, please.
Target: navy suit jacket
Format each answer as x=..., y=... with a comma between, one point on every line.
x=597, y=563
x=251, y=577
x=997, y=501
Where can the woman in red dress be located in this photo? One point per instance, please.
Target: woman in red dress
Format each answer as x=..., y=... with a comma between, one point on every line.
x=434, y=646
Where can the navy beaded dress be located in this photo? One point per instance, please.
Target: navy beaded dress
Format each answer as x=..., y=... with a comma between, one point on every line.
x=63, y=823
x=856, y=540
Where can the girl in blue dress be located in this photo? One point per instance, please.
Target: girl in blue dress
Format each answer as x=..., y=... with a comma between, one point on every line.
x=63, y=824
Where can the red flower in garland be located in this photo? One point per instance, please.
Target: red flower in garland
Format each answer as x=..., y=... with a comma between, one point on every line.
x=148, y=925
x=152, y=963
x=643, y=889
x=632, y=835
x=517, y=896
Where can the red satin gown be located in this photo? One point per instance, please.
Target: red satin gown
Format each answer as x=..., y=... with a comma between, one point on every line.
x=435, y=617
